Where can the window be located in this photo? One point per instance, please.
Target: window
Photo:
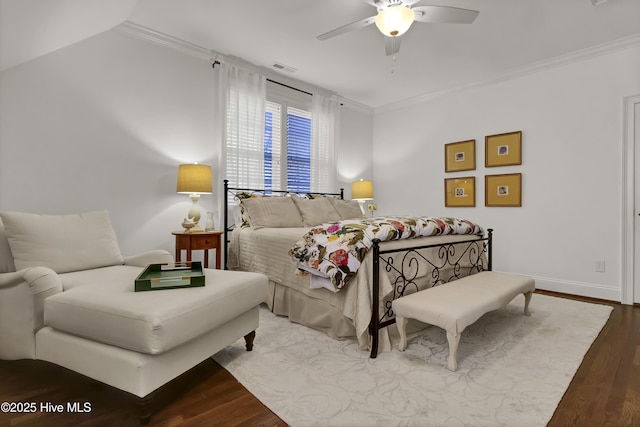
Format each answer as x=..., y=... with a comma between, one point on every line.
x=272, y=146
x=283, y=142
x=293, y=170
x=298, y=150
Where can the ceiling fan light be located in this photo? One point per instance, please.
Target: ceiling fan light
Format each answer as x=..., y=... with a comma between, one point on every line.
x=394, y=21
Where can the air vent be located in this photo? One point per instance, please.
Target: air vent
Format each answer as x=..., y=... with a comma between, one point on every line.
x=283, y=67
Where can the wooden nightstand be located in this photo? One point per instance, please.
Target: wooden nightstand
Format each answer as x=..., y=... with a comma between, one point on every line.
x=198, y=241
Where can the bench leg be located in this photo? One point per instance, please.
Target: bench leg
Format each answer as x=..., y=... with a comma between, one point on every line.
x=453, y=349
x=401, y=322
x=527, y=300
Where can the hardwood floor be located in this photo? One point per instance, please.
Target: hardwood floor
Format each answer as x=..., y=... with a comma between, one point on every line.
x=604, y=392
x=207, y=395
x=606, y=388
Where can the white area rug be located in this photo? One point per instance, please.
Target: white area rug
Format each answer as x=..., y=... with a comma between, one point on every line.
x=513, y=370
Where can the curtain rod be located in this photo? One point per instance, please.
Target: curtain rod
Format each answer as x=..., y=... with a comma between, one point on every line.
x=273, y=81
x=290, y=87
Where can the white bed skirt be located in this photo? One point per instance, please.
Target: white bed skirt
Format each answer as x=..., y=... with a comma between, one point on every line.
x=308, y=311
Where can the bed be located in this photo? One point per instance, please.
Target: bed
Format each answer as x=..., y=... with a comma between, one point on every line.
x=361, y=308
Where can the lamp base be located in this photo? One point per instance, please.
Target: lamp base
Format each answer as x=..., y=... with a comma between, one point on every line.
x=190, y=223
x=364, y=212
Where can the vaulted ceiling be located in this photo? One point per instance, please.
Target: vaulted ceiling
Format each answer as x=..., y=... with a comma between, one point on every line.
x=507, y=36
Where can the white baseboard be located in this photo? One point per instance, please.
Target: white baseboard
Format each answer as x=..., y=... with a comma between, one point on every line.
x=591, y=290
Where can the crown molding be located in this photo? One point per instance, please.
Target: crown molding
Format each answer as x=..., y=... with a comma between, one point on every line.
x=356, y=105
x=157, y=37
x=580, y=55
x=148, y=34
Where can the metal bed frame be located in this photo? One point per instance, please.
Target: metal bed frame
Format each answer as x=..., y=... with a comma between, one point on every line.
x=235, y=190
x=472, y=254
x=476, y=253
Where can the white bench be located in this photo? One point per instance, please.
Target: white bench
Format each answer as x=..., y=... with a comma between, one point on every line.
x=455, y=305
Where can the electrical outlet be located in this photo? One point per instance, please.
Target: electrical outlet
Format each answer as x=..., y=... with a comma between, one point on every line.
x=600, y=266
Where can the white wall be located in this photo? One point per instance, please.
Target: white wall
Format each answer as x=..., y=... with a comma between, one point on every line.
x=355, y=157
x=571, y=120
x=104, y=123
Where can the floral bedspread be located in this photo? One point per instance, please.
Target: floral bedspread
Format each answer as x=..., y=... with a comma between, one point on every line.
x=337, y=249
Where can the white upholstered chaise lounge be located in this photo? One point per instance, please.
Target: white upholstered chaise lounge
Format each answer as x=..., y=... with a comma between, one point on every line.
x=67, y=297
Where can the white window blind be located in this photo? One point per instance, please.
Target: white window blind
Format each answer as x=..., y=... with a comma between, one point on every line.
x=294, y=171
x=298, y=150
x=294, y=146
x=272, y=146
x=244, y=152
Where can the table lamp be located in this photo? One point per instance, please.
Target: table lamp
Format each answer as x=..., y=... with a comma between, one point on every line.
x=362, y=191
x=194, y=179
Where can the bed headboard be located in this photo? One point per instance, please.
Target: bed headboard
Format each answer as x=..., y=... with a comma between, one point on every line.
x=234, y=191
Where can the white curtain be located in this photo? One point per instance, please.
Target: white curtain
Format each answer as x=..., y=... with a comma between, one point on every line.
x=324, y=111
x=241, y=97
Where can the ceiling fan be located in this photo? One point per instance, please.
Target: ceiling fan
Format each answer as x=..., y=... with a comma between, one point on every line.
x=396, y=16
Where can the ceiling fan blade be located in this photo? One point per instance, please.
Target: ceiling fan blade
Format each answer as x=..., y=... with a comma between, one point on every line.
x=346, y=28
x=444, y=15
x=381, y=4
x=391, y=45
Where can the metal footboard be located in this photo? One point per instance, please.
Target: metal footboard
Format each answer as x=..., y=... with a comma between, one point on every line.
x=452, y=261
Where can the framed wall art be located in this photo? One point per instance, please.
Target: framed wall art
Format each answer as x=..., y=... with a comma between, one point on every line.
x=460, y=192
x=504, y=149
x=460, y=156
x=503, y=190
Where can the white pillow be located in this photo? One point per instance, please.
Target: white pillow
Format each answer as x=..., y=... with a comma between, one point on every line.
x=316, y=211
x=277, y=212
x=348, y=209
x=62, y=242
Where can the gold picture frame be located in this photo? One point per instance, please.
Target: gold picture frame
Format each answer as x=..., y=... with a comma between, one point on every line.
x=503, y=190
x=460, y=156
x=460, y=192
x=503, y=149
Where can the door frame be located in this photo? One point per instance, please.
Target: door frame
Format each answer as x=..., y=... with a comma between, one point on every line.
x=628, y=199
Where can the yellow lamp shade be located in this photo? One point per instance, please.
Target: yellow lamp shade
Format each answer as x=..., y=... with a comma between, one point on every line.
x=362, y=190
x=194, y=179
x=394, y=20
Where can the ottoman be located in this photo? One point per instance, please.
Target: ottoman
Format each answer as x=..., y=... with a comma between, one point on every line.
x=138, y=341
